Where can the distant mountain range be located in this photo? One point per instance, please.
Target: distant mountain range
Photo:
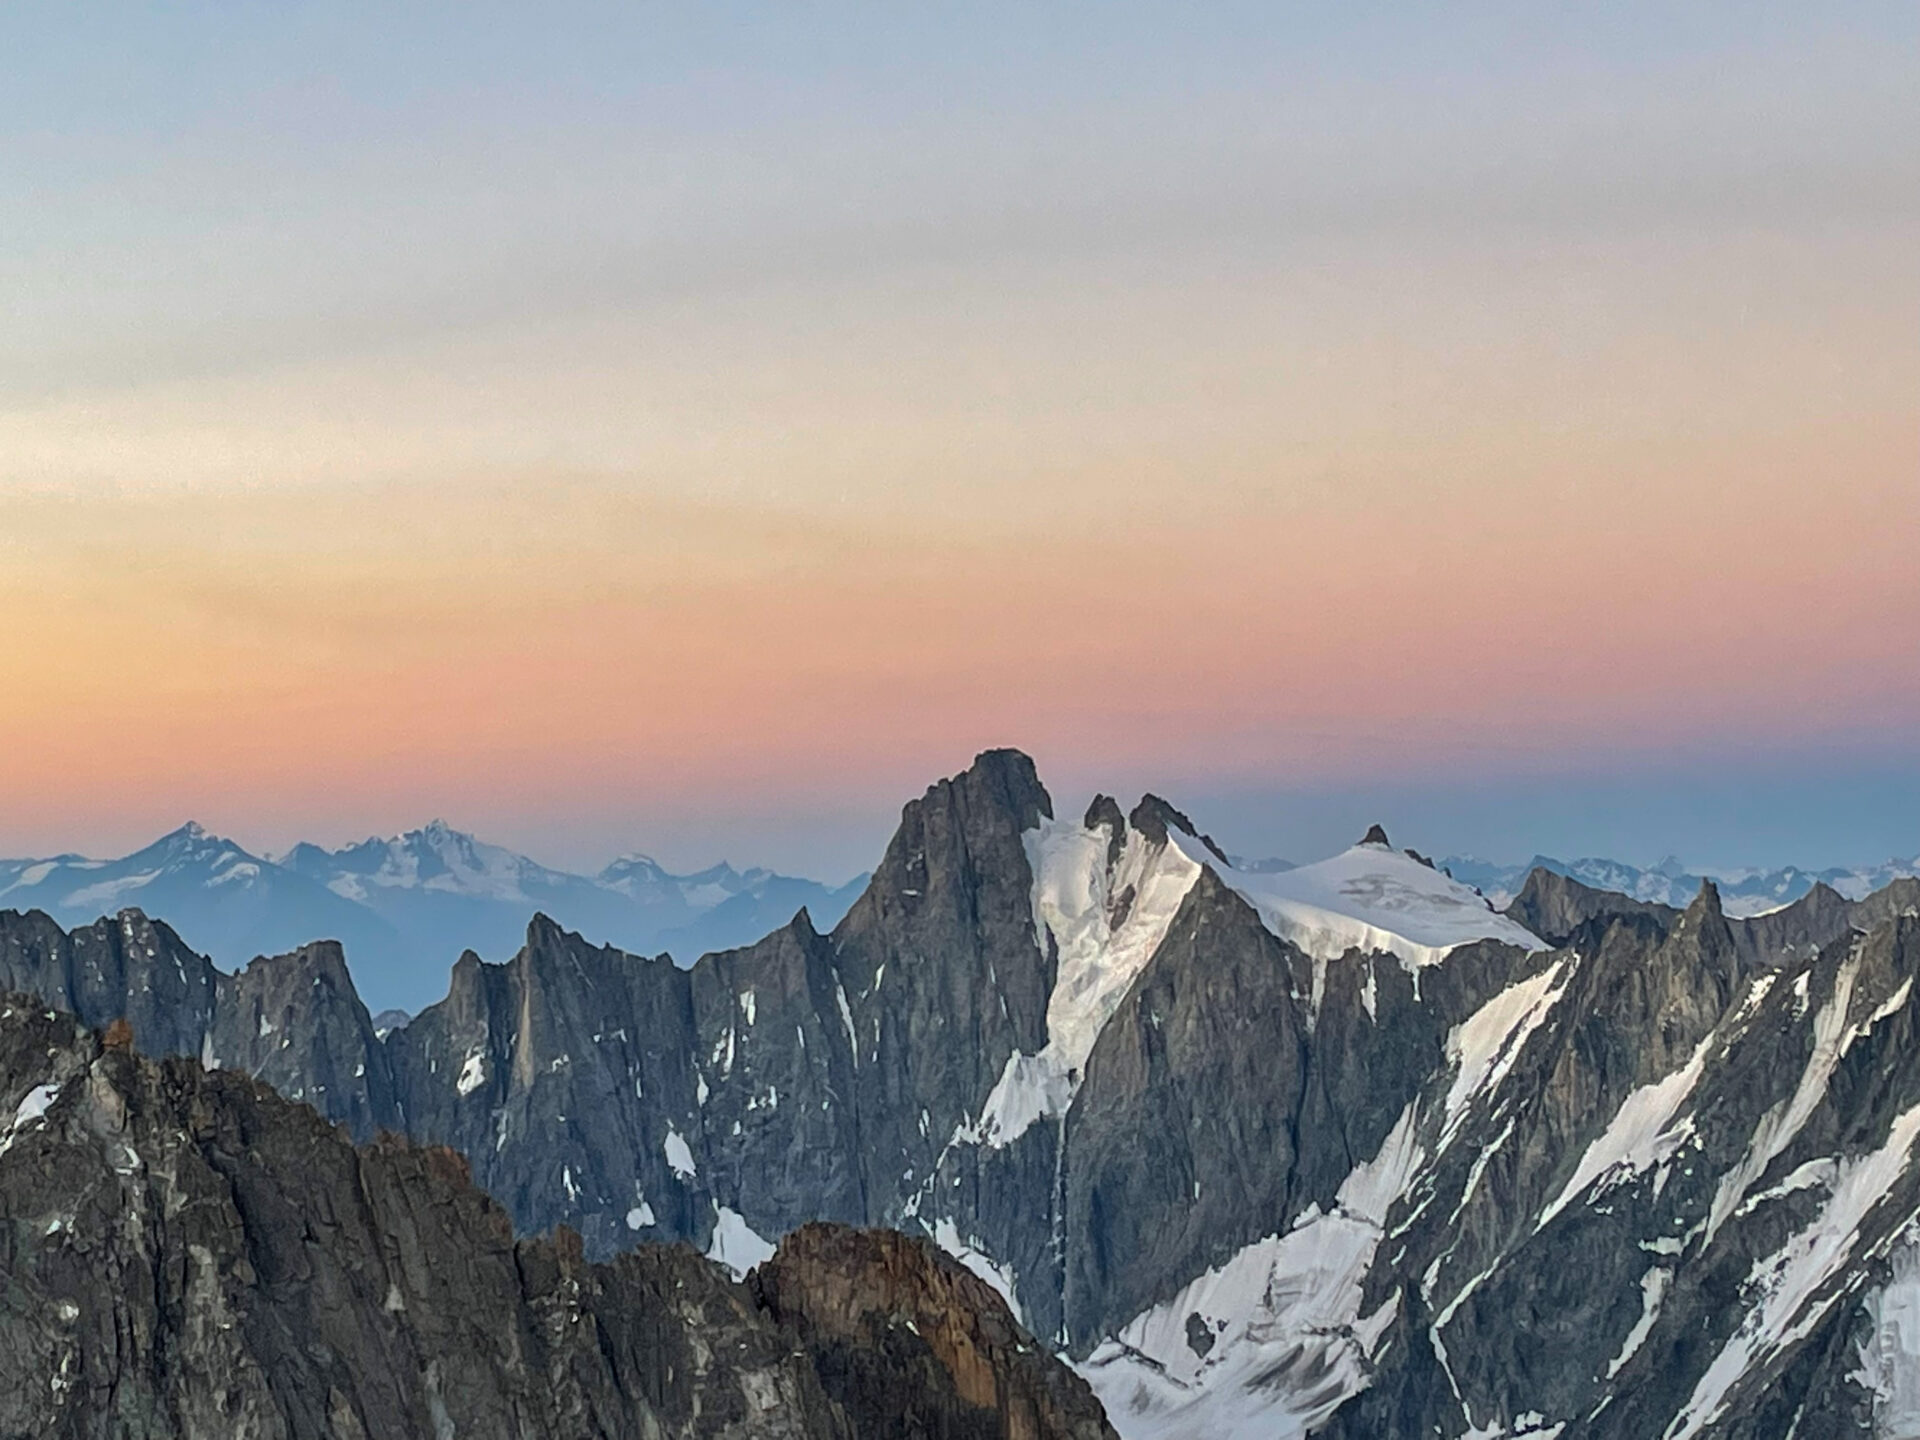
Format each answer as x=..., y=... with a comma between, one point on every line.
x=1264, y=1151
x=403, y=907
x=1742, y=892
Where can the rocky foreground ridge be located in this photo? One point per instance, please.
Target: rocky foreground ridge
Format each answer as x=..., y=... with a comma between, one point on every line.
x=187, y=1254
x=1264, y=1155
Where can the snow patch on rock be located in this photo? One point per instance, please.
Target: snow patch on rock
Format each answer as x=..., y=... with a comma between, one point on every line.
x=1786, y=1285
x=1640, y=1135
x=947, y=1236
x=735, y=1243
x=33, y=1105
x=1653, y=1291
x=1832, y=1038
x=679, y=1155
x=1273, y=1342
x=473, y=1074
x=1486, y=1044
x=1890, y=1352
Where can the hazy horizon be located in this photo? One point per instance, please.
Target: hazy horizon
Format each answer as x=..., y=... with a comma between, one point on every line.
x=1614, y=821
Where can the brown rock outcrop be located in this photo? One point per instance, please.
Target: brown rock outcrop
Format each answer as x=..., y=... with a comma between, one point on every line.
x=910, y=1342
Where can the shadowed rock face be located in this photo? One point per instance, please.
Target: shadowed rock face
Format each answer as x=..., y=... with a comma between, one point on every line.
x=126, y=968
x=187, y=1253
x=943, y=974
x=1222, y=1101
x=1819, y=918
x=874, y=1306
x=1555, y=907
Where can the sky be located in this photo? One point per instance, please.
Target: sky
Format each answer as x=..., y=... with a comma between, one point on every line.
x=696, y=429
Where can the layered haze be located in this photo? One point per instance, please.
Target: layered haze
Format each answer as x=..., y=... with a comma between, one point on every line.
x=625, y=429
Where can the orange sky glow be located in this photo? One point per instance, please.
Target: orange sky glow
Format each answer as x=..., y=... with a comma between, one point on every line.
x=1306, y=414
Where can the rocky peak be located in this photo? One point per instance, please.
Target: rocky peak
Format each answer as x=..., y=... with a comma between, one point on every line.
x=296, y=1022
x=1706, y=903
x=1555, y=906
x=1105, y=810
x=1703, y=937
x=1156, y=819
x=871, y=1304
x=1006, y=779
x=1803, y=928
x=943, y=973
x=1376, y=835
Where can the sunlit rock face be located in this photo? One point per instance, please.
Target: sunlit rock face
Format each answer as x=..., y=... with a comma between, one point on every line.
x=189, y=1253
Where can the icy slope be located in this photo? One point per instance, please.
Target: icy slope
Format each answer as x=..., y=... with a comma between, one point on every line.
x=1374, y=898
x=1104, y=894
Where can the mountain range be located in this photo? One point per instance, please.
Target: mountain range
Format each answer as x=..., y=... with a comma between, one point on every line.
x=401, y=905
x=1742, y=892
x=1339, y=1149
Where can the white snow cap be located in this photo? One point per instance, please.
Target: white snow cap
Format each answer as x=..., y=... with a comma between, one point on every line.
x=1374, y=898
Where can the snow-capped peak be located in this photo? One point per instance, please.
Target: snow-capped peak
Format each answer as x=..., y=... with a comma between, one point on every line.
x=636, y=861
x=1375, y=898
x=438, y=857
x=192, y=838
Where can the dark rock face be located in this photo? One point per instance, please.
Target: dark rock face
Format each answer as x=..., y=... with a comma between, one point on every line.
x=295, y=1022
x=803, y=1077
x=943, y=974
x=1157, y=820
x=873, y=1306
x=1819, y=918
x=128, y=968
x=187, y=1253
x=1220, y=1103
x=1555, y=907
x=1178, y=1098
